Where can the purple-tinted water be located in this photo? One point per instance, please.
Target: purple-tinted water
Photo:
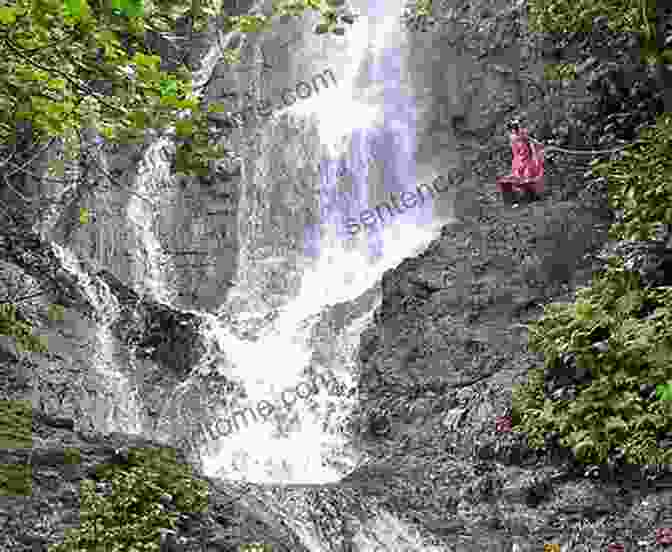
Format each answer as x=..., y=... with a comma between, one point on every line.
x=392, y=146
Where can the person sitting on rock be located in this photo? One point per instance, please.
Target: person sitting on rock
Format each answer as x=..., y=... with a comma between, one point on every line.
x=527, y=170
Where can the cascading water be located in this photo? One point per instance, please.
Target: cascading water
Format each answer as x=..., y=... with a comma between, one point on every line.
x=151, y=267
x=295, y=375
x=124, y=416
x=302, y=441
x=333, y=269
x=121, y=407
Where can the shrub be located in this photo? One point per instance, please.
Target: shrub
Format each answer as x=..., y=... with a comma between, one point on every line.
x=21, y=331
x=640, y=182
x=608, y=412
x=560, y=71
x=16, y=432
x=632, y=324
x=16, y=480
x=130, y=517
x=567, y=16
x=16, y=419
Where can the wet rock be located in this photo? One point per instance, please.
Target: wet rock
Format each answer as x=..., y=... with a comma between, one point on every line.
x=64, y=423
x=565, y=376
x=602, y=346
x=513, y=451
x=647, y=391
x=380, y=425
x=121, y=455
x=564, y=394
x=537, y=492
x=169, y=541
x=651, y=260
x=452, y=418
x=486, y=451
x=35, y=543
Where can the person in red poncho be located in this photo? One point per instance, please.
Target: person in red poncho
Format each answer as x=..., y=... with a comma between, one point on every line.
x=527, y=166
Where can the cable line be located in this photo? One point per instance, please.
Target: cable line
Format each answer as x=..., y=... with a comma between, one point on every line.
x=587, y=152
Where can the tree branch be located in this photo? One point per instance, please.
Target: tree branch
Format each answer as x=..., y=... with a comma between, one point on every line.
x=42, y=150
x=31, y=296
x=8, y=160
x=117, y=183
x=79, y=87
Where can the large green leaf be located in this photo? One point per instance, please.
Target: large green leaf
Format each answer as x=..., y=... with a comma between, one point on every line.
x=664, y=391
x=168, y=87
x=74, y=8
x=7, y=15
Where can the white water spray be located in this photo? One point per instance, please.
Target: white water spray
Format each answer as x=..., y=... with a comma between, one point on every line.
x=150, y=262
x=312, y=450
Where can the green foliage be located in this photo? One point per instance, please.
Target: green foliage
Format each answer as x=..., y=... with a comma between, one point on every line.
x=418, y=16
x=567, y=16
x=608, y=412
x=664, y=391
x=20, y=331
x=16, y=432
x=54, y=51
x=16, y=424
x=127, y=8
x=640, y=182
x=631, y=16
x=130, y=517
x=560, y=71
x=255, y=547
x=16, y=480
x=71, y=456
x=423, y=7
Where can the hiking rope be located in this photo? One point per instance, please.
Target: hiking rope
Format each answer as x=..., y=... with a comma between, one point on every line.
x=587, y=152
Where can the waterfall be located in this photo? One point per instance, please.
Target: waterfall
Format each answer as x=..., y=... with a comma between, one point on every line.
x=259, y=436
x=278, y=335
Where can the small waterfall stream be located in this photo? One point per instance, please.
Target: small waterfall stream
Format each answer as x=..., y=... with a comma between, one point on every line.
x=153, y=267
x=124, y=416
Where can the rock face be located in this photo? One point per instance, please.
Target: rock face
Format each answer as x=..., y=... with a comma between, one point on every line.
x=439, y=368
x=448, y=345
